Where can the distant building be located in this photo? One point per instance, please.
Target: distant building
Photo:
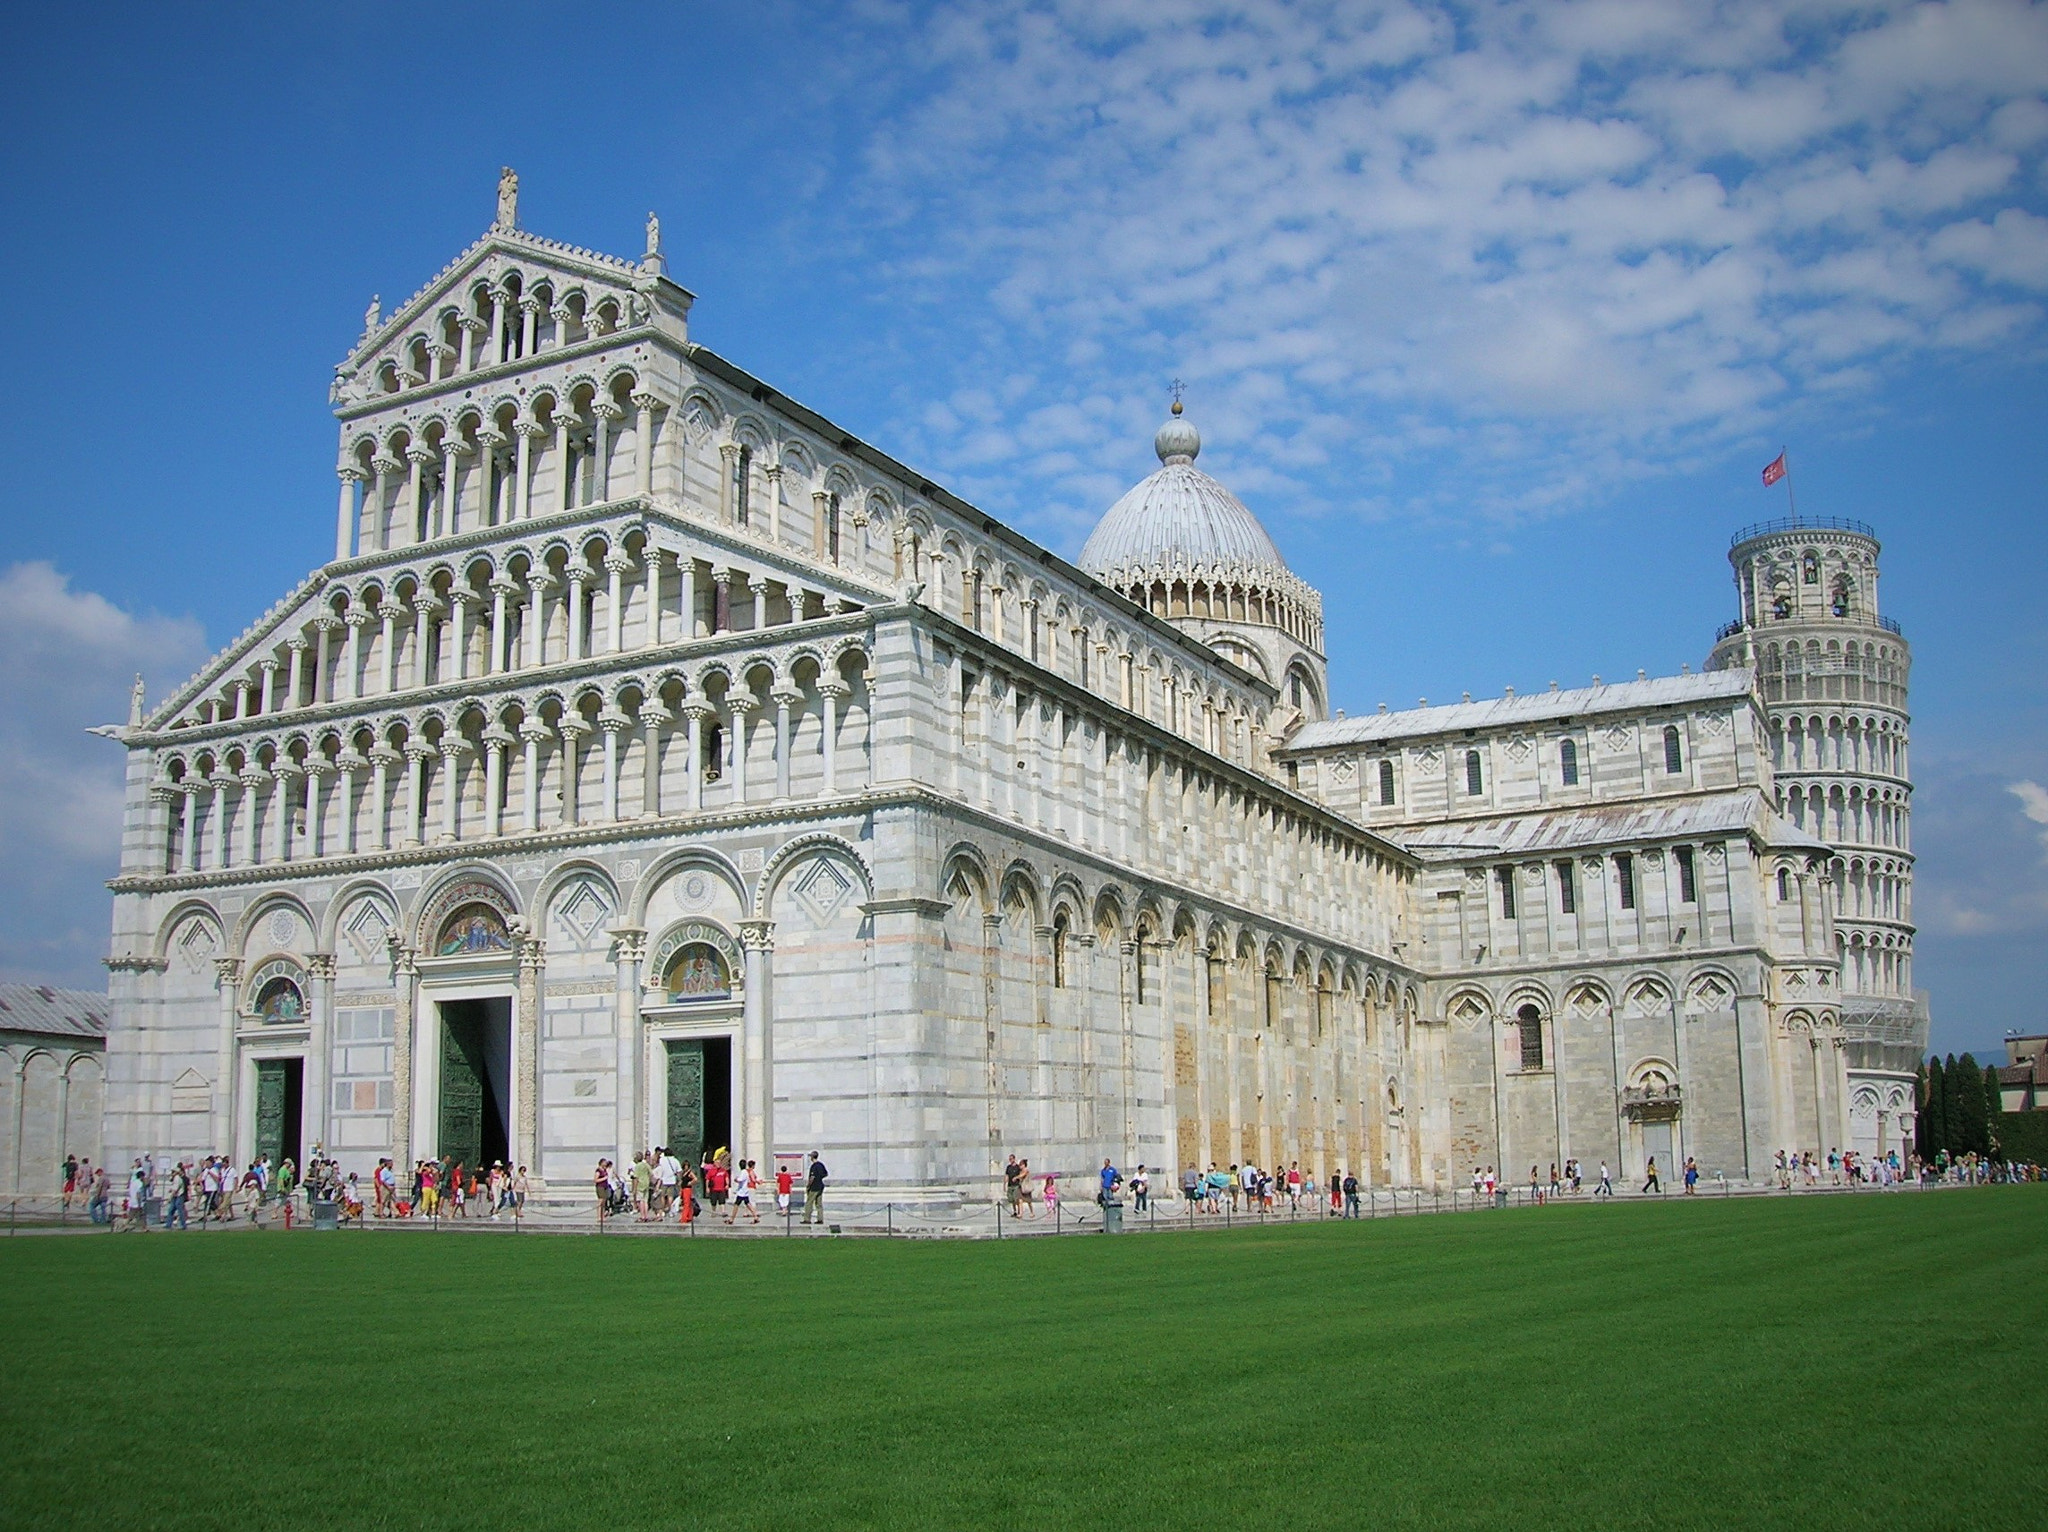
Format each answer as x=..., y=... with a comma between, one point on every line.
x=53, y=1044
x=2023, y=1080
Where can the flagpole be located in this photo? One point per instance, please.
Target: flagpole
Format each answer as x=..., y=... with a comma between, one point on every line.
x=1791, y=500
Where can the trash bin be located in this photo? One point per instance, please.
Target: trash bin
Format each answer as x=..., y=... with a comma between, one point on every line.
x=1500, y=1197
x=326, y=1215
x=153, y=1211
x=1112, y=1216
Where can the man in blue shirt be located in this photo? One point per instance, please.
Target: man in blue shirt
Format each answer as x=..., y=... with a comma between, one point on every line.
x=1111, y=1179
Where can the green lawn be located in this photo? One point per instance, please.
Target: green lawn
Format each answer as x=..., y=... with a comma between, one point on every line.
x=1799, y=1362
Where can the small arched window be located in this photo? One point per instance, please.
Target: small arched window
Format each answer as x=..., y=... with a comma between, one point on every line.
x=742, y=483
x=1059, y=951
x=1272, y=997
x=1674, y=754
x=1475, y=779
x=712, y=764
x=1505, y=878
x=1530, y=1024
x=1386, y=784
x=1568, y=762
x=1784, y=883
x=832, y=527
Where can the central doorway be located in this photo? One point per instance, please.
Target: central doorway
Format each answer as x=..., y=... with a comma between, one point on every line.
x=476, y=1080
x=280, y=1109
x=699, y=1116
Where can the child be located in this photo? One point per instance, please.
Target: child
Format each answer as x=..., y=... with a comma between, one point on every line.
x=782, y=1185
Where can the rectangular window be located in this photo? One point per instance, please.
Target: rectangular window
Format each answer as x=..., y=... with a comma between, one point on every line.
x=1386, y=784
x=1567, y=889
x=1475, y=780
x=1625, y=875
x=1505, y=876
x=1568, y=762
x=1688, y=888
x=1531, y=1029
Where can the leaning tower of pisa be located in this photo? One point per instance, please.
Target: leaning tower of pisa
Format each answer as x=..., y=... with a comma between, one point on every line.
x=1833, y=672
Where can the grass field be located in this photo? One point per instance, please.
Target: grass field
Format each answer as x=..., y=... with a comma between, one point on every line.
x=1800, y=1362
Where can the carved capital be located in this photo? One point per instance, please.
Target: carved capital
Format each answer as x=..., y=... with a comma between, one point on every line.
x=757, y=935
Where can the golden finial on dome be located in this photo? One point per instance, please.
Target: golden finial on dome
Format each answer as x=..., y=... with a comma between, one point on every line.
x=1176, y=387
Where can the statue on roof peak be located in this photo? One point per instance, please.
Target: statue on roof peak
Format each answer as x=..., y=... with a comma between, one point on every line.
x=508, y=198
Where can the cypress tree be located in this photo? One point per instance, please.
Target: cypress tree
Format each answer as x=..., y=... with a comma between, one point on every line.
x=1955, y=1136
x=1994, y=1102
x=1970, y=1102
x=1933, y=1120
x=1971, y=1088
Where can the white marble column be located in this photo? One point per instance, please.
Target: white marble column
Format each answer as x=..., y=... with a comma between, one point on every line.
x=629, y=952
x=496, y=742
x=644, y=405
x=784, y=699
x=758, y=938
x=616, y=564
x=345, y=513
x=319, y=1024
x=652, y=716
x=526, y=1060
x=833, y=694
x=611, y=724
x=227, y=972
x=526, y=430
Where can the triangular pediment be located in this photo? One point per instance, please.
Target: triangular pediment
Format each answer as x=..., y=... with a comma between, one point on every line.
x=580, y=294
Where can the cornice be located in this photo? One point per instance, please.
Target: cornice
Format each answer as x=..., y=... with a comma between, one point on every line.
x=1563, y=968
x=667, y=827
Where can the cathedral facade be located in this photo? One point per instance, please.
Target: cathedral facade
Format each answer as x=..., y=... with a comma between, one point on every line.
x=657, y=763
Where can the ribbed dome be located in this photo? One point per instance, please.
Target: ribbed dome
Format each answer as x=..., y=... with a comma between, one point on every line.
x=1179, y=519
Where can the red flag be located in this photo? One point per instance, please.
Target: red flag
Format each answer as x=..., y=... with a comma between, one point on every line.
x=1774, y=470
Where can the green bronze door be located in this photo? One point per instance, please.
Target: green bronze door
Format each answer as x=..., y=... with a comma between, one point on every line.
x=272, y=1091
x=462, y=1090
x=686, y=1100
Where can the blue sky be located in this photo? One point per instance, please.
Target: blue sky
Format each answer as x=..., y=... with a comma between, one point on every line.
x=1493, y=312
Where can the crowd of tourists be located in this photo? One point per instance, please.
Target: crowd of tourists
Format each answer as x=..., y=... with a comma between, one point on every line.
x=211, y=1189
x=659, y=1186
x=662, y=1187
x=1252, y=1189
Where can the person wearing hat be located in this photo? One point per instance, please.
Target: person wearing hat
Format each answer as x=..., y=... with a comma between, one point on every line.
x=814, y=1190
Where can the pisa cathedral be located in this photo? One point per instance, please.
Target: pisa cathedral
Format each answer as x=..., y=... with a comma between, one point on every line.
x=657, y=762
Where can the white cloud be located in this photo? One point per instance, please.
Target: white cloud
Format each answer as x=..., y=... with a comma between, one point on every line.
x=67, y=661
x=1610, y=228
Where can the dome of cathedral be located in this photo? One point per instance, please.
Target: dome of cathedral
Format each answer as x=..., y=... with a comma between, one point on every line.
x=1179, y=519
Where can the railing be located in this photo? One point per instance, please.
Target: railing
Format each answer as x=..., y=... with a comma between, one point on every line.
x=1804, y=524
x=1729, y=629
x=1891, y=625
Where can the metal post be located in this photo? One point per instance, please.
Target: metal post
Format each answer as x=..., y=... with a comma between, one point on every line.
x=889, y=1213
